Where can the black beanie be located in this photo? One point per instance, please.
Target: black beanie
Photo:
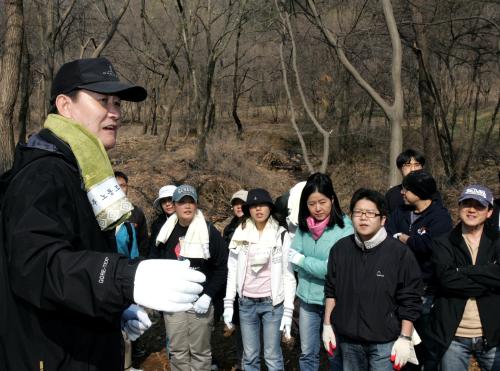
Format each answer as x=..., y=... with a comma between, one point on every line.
x=421, y=184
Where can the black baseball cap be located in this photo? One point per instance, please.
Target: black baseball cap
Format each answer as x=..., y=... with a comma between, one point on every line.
x=94, y=74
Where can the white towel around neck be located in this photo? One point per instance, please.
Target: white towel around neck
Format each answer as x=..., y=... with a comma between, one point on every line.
x=265, y=241
x=195, y=243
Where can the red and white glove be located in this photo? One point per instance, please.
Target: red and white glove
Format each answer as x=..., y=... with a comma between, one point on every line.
x=401, y=352
x=329, y=341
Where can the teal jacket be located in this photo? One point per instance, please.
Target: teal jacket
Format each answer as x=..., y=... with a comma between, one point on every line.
x=312, y=269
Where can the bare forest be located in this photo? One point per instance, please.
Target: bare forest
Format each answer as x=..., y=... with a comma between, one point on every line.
x=247, y=93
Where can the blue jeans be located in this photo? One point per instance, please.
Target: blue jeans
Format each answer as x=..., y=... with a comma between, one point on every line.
x=460, y=351
x=366, y=356
x=310, y=327
x=255, y=314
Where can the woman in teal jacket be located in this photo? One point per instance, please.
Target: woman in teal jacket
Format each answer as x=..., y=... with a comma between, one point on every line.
x=321, y=224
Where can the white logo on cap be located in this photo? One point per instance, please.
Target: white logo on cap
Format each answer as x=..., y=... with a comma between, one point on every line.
x=475, y=191
x=110, y=71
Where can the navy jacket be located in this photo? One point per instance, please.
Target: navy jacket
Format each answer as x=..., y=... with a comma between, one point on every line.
x=432, y=222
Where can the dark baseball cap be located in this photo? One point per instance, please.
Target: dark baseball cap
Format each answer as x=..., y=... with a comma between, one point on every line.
x=479, y=193
x=183, y=191
x=94, y=74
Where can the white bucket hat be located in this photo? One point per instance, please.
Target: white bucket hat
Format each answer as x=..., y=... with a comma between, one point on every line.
x=164, y=192
x=239, y=195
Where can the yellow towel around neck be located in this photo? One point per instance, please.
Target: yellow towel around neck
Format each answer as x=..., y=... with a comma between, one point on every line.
x=110, y=205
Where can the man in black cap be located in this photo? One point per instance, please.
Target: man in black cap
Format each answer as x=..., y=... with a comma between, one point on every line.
x=422, y=218
x=65, y=292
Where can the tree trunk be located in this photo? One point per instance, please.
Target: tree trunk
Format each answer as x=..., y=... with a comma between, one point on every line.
x=24, y=93
x=472, y=136
x=204, y=120
x=493, y=123
x=427, y=101
x=9, y=80
x=236, y=83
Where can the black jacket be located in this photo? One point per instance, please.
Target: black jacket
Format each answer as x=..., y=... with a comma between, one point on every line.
x=432, y=222
x=374, y=289
x=155, y=229
x=62, y=286
x=394, y=198
x=492, y=222
x=228, y=232
x=459, y=280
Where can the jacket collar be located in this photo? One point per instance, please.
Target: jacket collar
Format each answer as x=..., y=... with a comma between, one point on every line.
x=487, y=238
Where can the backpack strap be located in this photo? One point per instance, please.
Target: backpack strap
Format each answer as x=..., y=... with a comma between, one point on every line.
x=130, y=240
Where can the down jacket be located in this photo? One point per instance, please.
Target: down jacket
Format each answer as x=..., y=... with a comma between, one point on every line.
x=62, y=286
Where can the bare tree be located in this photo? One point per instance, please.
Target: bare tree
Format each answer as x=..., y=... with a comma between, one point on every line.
x=218, y=24
x=393, y=111
x=456, y=71
x=9, y=78
x=287, y=26
x=427, y=101
x=113, y=25
x=51, y=22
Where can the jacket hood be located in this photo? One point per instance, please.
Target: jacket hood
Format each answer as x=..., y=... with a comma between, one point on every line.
x=40, y=145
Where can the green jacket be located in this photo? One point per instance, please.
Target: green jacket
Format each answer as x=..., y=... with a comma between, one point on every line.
x=312, y=268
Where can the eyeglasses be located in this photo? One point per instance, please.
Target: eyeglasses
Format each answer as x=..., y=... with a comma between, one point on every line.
x=367, y=213
x=412, y=165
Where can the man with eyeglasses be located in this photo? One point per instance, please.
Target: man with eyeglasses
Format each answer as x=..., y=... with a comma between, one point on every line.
x=372, y=289
x=407, y=161
x=465, y=318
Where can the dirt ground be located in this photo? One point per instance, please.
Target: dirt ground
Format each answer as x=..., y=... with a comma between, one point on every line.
x=223, y=350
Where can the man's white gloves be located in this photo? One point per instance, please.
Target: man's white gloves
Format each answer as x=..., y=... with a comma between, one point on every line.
x=401, y=352
x=329, y=341
x=295, y=257
x=167, y=285
x=135, y=321
x=202, y=304
x=228, y=317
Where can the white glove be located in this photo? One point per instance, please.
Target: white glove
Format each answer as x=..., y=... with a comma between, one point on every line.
x=286, y=323
x=228, y=317
x=167, y=285
x=202, y=304
x=328, y=337
x=401, y=352
x=135, y=321
x=295, y=257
